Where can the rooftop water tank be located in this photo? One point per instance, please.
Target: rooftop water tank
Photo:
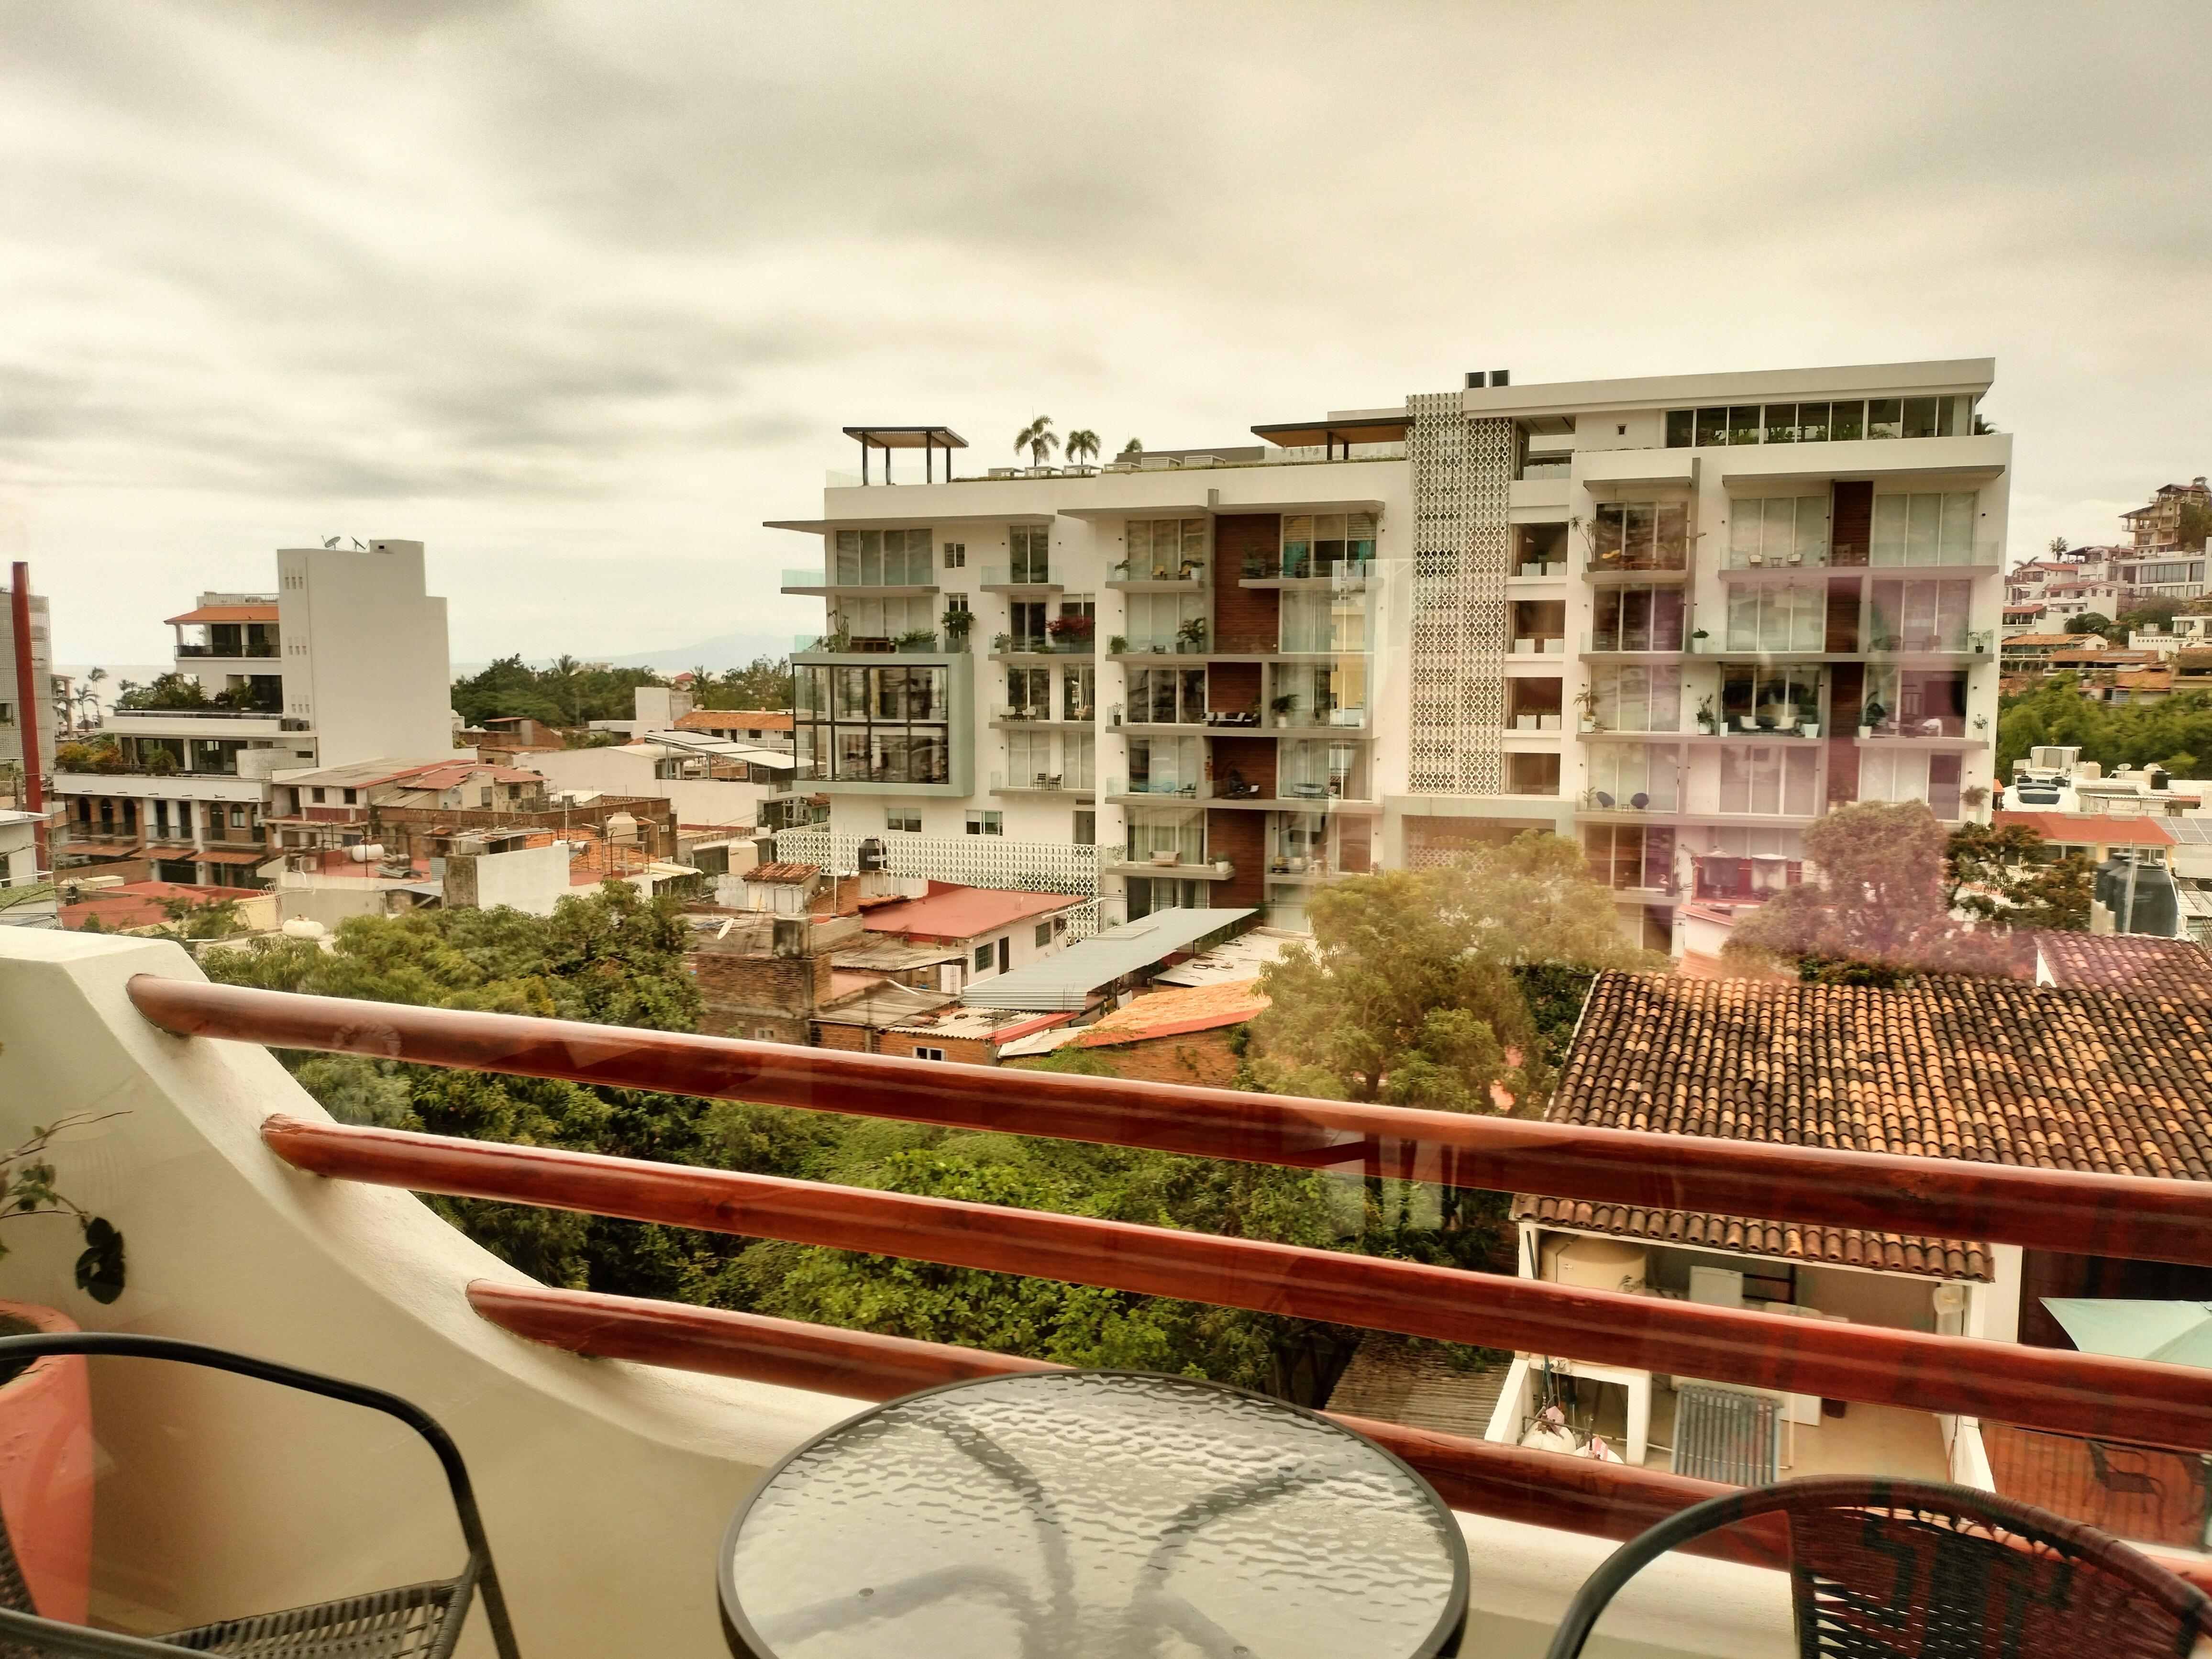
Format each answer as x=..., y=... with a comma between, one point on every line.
x=622, y=828
x=303, y=927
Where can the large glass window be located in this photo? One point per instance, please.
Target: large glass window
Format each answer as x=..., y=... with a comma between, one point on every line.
x=1028, y=693
x=1163, y=550
x=866, y=623
x=1903, y=774
x=1167, y=623
x=882, y=558
x=1636, y=619
x=1166, y=696
x=1028, y=759
x=1641, y=698
x=1930, y=616
x=1335, y=621
x=1778, y=618
x=1319, y=543
x=1771, y=778
x=1078, y=693
x=1165, y=766
x=1923, y=529
x=1155, y=829
x=1912, y=703
x=1316, y=771
x=1624, y=855
x=1841, y=422
x=1639, y=776
x=1319, y=694
x=1030, y=547
x=873, y=725
x=1639, y=535
x=1079, y=759
x=1778, y=530
x=1763, y=697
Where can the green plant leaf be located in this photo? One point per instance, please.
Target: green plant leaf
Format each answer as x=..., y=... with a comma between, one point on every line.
x=100, y=1269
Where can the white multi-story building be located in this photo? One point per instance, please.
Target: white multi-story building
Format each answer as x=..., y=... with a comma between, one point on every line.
x=1676, y=618
x=346, y=661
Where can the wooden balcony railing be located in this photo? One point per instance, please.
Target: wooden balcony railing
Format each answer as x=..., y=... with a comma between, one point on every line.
x=2138, y=1402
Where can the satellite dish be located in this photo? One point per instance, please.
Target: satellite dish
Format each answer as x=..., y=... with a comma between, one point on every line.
x=329, y=541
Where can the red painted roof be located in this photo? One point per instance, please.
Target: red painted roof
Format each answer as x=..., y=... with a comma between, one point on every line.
x=137, y=903
x=734, y=719
x=952, y=911
x=1177, y=1013
x=2090, y=828
x=229, y=613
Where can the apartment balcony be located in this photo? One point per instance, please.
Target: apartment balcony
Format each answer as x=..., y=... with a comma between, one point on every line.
x=818, y=584
x=609, y=1438
x=1052, y=785
x=1624, y=645
x=1975, y=559
x=256, y=650
x=1034, y=580
x=1176, y=869
x=1009, y=717
x=1613, y=568
x=1187, y=576
x=836, y=647
x=1308, y=574
x=1957, y=649
x=1017, y=647
x=1331, y=796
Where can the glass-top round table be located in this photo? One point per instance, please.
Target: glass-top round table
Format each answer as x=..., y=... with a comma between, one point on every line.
x=1092, y=1515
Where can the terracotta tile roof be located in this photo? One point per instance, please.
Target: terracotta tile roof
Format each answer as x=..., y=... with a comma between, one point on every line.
x=139, y=903
x=2048, y=639
x=2089, y=829
x=2175, y=970
x=735, y=720
x=1986, y=1070
x=1177, y=1013
x=950, y=910
x=783, y=872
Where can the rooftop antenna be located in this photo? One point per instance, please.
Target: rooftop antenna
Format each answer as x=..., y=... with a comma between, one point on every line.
x=330, y=541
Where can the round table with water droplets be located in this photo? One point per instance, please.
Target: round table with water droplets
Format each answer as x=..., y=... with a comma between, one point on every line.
x=1092, y=1515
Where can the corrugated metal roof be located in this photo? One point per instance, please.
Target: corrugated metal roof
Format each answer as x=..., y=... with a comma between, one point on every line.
x=1066, y=979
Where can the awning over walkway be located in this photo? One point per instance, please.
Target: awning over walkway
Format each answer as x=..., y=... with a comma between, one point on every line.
x=1067, y=979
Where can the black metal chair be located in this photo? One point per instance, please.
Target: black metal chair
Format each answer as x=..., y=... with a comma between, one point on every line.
x=414, y=1621
x=1913, y=1569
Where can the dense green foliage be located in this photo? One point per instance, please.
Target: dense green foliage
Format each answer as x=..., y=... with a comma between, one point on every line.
x=2007, y=877
x=615, y=958
x=569, y=693
x=173, y=690
x=2175, y=731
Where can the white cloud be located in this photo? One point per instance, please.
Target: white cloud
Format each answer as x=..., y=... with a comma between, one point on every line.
x=578, y=295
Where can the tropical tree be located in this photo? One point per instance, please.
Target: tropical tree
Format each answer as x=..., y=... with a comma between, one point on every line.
x=1881, y=908
x=1131, y=450
x=2091, y=622
x=1037, y=438
x=2058, y=544
x=2009, y=878
x=1082, y=446
x=1411, y=992
x=2195, y=526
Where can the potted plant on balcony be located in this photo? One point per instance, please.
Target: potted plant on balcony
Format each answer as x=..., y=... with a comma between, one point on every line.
x=1282, y=706
x=1871, y=716
x=1071, y=633
x=1809, y=717
x=1117, y=645
x=1707, y=724
x=1698, y=637
x=956, y=622
x=45, y=1408
x=1002, y=642
x=1191, y=635
x=916, y=639
x=1587, y=702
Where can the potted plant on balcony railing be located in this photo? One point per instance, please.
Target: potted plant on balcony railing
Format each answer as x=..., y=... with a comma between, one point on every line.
x=1282, y=706
x=916, y=639
x=1191, y=635
x=45, y=1409
x=1587, y=702
x=1071, y=633
x=1698, y=637
x=1871, y=716
x=1002, y=642
x=1706, y=725
x=1117, y=645
x=956, y=622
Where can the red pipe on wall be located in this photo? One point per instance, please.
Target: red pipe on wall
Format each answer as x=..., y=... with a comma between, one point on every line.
x=2133, y=1400
x=2050, y=1209
x=27, y=703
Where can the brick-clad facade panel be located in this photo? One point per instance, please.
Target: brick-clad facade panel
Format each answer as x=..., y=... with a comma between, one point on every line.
x=1242, y=838
x=1245, y=618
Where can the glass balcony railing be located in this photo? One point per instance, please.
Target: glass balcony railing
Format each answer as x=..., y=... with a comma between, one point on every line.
x=1034, y=573
x=1045, y=645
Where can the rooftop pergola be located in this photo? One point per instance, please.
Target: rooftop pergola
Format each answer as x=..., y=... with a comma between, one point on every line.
x=927, y=439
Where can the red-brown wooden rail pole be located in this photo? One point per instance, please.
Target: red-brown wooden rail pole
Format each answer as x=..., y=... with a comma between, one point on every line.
x=2050, y=1209
x=2089, y=1395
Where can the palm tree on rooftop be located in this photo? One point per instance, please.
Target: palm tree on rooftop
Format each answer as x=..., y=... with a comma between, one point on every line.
x=1037, y=438
x=1131, y=450
x=1082, y=446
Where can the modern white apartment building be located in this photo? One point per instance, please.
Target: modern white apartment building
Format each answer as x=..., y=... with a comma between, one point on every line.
x=1677, y=619
x=346, y=661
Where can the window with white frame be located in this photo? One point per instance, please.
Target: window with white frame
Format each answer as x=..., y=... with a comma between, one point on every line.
x=904, y=819
x=1638, y=698
x=1029, y=760
x=1778, y=530
x=1324, y=621
x=1030, y=548
x=1793, y=618
x=1043, y=935
x=1079, y=693
x=1166, y=696
x=1640, y=536
x=920, y=1053
x=986, y=823
x=1927, y=528
x=882, y=558
x=1316, y=544
x=1771, y=779
x=956, y=556
x=1905, y=775
x=882, y=618
x=1927, y=615
x=1152, y=829
x=1163, y=550
x=1639, y=776
x=1164, y=766
x=1162, y=622
x=1080, y=764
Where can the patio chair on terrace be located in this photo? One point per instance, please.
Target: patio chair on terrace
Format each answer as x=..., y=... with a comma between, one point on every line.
x=414, y=1621
x=1911, y=1570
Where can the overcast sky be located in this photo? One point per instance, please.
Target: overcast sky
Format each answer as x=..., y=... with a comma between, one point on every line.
x=578, y=294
